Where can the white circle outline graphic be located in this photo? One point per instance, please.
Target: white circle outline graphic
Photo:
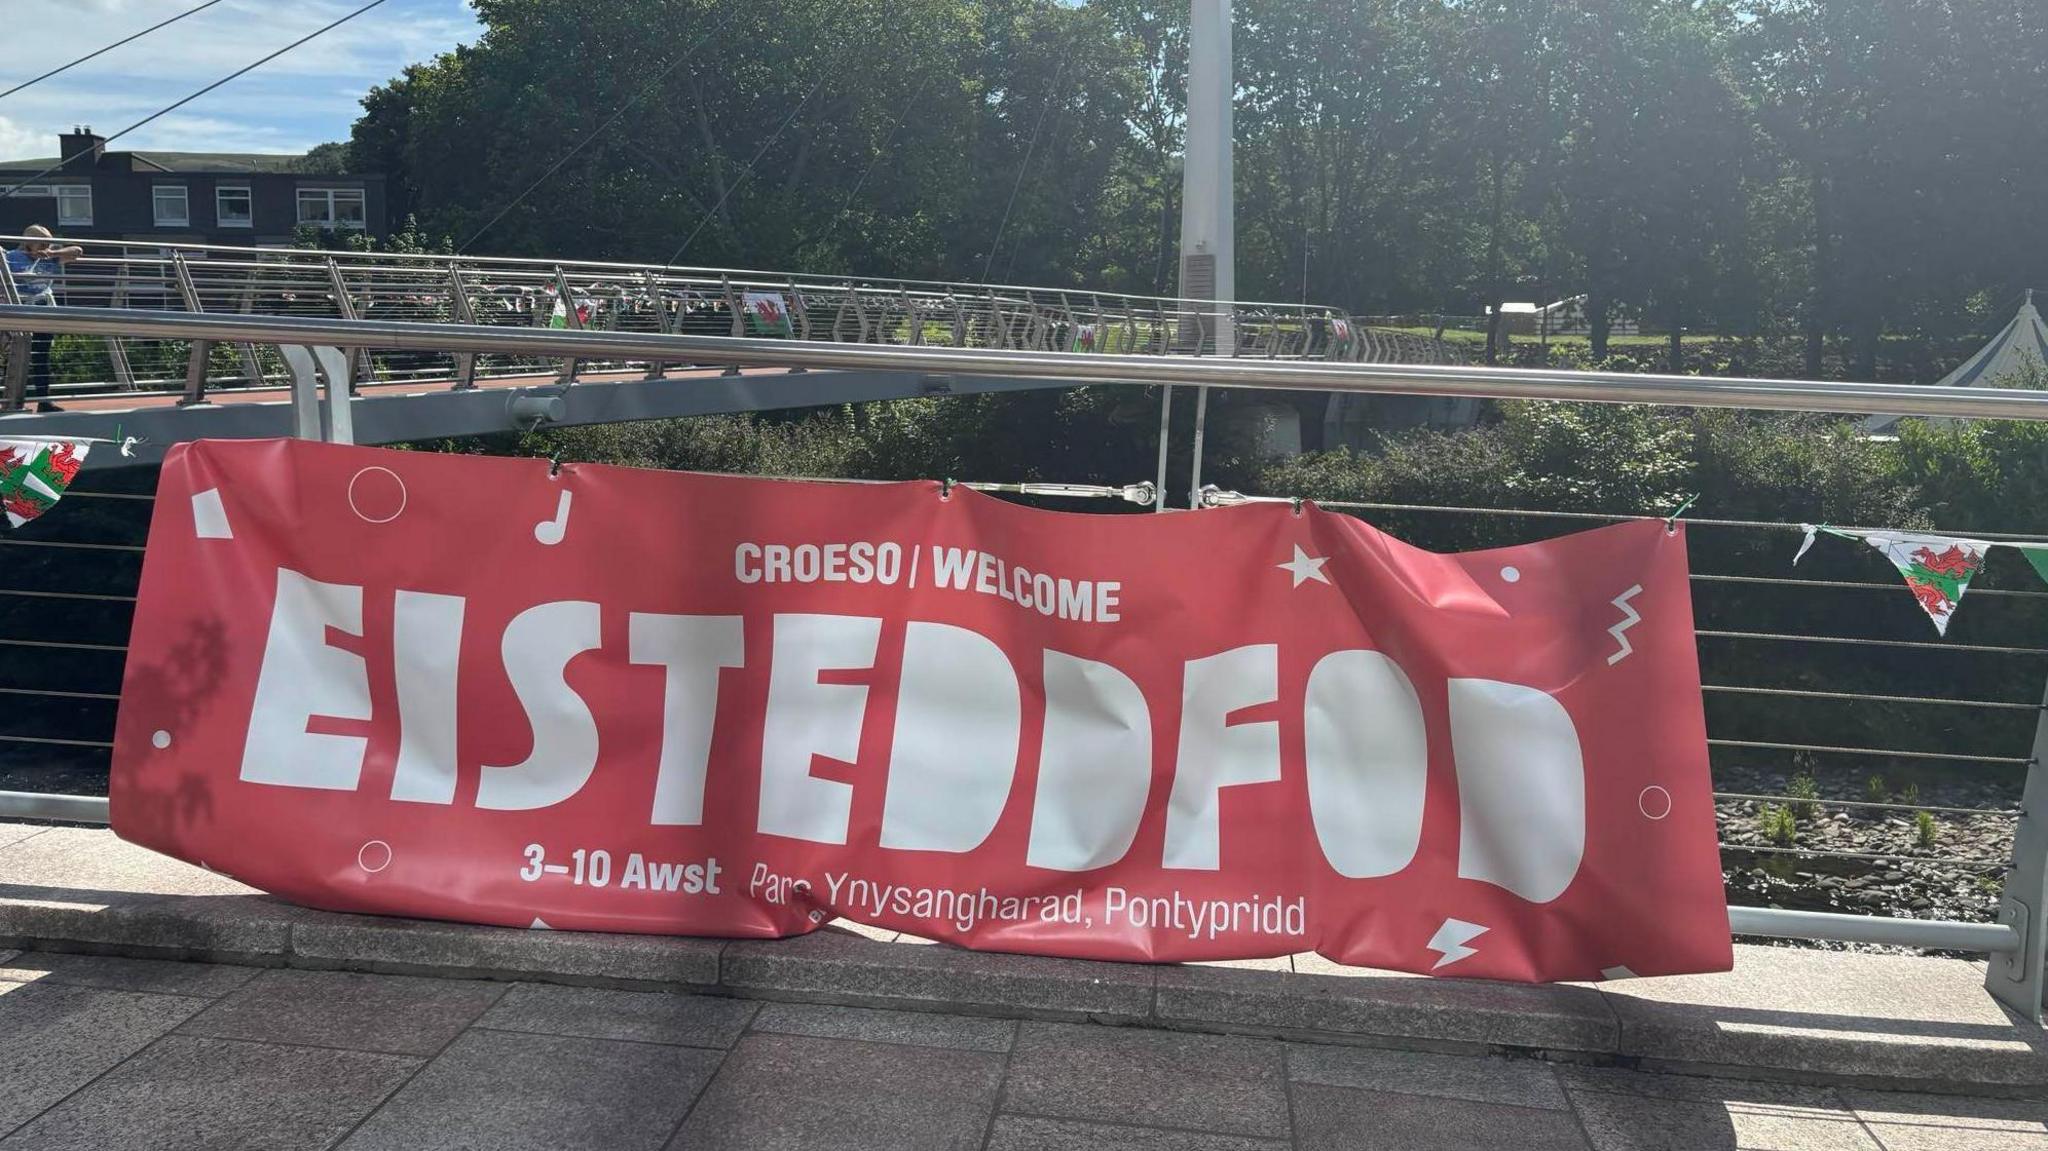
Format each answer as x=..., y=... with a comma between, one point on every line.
x=1643, y=802
x=403, y=495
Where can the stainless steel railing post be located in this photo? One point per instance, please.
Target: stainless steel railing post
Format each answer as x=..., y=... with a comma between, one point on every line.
x=2015, y=979
x=18, y=345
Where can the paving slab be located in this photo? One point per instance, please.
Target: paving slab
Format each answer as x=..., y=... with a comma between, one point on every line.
x=1696, y=1120
x=793, y=1093
x=1881, y=1021
x=221, y=1095
x=878, y=934
x=1229, y=1084
x=1698, y=1088
x=1905, y=1122
x=1900, y=1019
x=56, y=1039
x=206, y=980
x=395, y=1014
x=1032, y=1133
x=601, y=1013
x=1280, y=963
x=1384, y=1006
x=367, y=942
x=512, y=1092
x=1480, y=1079
x=844, y=968
x=74, y=886
x=12, y=833
x=910, y=1028
x=1332, y=1118
x=94, y=859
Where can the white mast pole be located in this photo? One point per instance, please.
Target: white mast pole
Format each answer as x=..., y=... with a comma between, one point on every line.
x=1208, y=243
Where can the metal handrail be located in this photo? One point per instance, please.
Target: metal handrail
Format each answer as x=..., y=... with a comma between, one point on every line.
x=660, y=299
x=437, y=263
x=1406, y=379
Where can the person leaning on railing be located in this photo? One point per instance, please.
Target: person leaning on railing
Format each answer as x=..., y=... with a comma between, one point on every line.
x=35, y=267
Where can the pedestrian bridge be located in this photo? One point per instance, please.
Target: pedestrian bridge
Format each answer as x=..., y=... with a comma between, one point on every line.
x=168, y=365
x=168, y=389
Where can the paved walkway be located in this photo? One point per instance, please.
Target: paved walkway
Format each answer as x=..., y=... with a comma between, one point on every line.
x=99, y=1053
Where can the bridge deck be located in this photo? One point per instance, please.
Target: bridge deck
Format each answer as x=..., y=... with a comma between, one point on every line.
x=1904, y=1022
x=433, y=409
x=145, y=1053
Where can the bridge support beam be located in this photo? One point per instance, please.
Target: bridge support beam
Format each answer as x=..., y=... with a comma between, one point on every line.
x=333, y=421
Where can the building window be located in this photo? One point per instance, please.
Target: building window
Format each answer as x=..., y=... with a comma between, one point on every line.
x=332, y=208
x=74, y=201
x=74, y=205
x=173, y=208
x=234, y=207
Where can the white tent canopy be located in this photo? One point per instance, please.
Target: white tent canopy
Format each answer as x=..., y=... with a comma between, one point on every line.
x=2022, y=342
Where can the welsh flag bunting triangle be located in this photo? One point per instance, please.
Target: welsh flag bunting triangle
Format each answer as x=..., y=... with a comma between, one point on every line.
x=1937, y=569
x=34, y=474
x=2038, y=556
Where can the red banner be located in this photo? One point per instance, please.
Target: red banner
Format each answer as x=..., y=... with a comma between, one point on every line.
x=620, y=700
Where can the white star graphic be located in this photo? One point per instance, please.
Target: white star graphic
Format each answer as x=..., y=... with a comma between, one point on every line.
x=1305, y=567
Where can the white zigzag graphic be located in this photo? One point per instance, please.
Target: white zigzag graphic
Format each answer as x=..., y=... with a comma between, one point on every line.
x=1450, y=940
x=1630, y=618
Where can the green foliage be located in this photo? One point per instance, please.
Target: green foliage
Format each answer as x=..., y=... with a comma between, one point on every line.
x=1925, y=830
x=1804, y=791
x=326, y=160
x=1876, y=790
x=1778, y=825
x=1909, y=794
x=1756, y=168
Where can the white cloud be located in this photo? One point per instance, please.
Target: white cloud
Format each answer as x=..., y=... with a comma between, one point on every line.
x=16, y=140
x=302, y=98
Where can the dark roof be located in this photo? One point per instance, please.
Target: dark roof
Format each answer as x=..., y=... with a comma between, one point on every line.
x=236, y=163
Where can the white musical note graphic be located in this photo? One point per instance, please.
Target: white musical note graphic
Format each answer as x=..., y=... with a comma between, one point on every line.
x=550, y=532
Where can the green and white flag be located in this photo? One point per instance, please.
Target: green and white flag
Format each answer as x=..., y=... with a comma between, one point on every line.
x=1937, y=569
x=2037, y=555
x=586, y=309
x=34, y=474
x=767, y=313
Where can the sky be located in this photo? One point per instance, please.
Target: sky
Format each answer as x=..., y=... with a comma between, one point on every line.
x=305, y=97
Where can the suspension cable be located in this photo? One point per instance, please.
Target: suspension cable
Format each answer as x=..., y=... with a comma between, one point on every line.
x=168, y=109
x=594, y=133
x=108, y=48
x=747, y=172
x=1051, y=94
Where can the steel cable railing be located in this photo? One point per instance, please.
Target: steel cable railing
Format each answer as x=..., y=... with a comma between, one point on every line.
x=1795, y=855
x=1723, y=740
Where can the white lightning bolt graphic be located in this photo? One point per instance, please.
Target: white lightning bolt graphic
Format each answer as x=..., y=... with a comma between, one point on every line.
x=1630, y=618
x=1450, y=940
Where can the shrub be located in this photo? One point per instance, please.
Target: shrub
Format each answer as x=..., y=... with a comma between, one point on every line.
x=1778, y=825
x=1925, y=830
x=1876, y=790
x=1804, y=791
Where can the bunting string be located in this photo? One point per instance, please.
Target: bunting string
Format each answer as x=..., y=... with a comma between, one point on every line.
x=1937, y=569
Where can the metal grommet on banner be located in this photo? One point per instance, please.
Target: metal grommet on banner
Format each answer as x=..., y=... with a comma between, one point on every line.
x=555, y=464
x=1296, y=501
x=946, y=488
x=1671, y=521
